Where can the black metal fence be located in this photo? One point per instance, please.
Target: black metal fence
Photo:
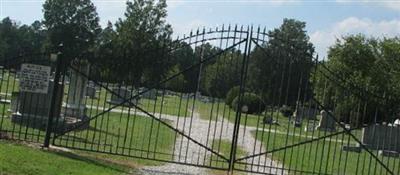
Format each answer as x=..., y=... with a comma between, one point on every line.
x=292, y=117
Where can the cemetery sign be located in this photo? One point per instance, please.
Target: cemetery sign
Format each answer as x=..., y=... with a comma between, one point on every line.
x=34, y=78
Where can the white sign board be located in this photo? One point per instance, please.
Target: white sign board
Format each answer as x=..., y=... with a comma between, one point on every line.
x=34, y=78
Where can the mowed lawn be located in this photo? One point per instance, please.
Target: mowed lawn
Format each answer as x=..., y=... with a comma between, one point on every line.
x=224, y=148
x=110, y=133
x=324, y=156
x=165, y=104
x=123, y=134
x=20, y=160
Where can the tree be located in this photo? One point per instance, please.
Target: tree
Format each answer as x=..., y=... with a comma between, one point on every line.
x=10, y=47
x=203, y=52
x=283, y=63
x=363, y=72
x=16, y=40
x=178, y=83
x=72, y=23
x=221, y=76
x=183, y=57
x=105, y=55
x=142, y=39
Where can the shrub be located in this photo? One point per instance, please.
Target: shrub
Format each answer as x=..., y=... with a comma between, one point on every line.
x=253, y=102
x=286, y=111
x=231, y=95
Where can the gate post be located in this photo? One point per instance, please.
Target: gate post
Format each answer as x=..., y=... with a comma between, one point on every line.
x=56, y=86
x=243, y=74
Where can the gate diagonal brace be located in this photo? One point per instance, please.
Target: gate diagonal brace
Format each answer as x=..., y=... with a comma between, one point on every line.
x=294, y=145
x=147, y=113
x=348, y=131
x=345, y=130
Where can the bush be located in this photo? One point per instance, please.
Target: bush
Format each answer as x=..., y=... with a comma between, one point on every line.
x=286, y=110
x=231, y=95
x=252, y=101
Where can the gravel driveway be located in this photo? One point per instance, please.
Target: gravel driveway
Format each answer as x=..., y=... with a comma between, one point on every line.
x=204, y=131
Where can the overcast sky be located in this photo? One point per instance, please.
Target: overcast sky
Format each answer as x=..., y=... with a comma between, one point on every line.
x=326, y=20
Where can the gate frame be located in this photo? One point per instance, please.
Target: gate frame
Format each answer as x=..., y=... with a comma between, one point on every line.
x=247, y=41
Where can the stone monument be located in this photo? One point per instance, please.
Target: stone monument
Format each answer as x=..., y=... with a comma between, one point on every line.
x=31, y=105
x=32, y=109
x=326, y=123
x=91, y=92
x=303, y=112
x=381, y=137
x=74, y=110
x=125, y=94
x=149, y=94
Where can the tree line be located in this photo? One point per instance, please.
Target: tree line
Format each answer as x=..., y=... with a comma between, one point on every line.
x=134, y=51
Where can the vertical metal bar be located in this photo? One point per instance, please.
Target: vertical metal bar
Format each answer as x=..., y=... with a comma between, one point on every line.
x=49, y=128
x=232, y=156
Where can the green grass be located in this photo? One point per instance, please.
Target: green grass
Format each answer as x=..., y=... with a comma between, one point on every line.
x=121, y=134
x=171, y=105
x=19, y=159
x=115, y=133
x=223, y=147
x=324, y=156
x=220, y=109
x=8, y=82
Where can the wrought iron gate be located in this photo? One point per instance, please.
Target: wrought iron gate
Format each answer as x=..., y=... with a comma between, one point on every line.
x=176, y=122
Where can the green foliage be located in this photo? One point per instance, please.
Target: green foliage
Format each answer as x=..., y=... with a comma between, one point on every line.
x=141, y=42
x=74, y=24
x=177, y=84
x=369, y=71
x=231, y=95
x=224, y=74
x=105, y=56
x=184, y=58
x=16, y=40
x=253, y=102
x=286, y=111
x=286, y=57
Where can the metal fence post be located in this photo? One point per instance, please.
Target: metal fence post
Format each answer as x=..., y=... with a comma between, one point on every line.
x=56, y=86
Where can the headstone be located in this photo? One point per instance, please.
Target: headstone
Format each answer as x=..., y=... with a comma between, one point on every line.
x=14, y=102
x=123, y=95
x=381, y=137
x=4, y=100
x=350, y=148
x=269, y=120
x=388, y=153
x=188, y=95
x=149, y=94
x=305, y=113
x=204, y=99
x=32, y=109
x=34, y=78
x=297, y=121
x=326, y=123
x=75, y=107
x=91, y=92
x=396, y=122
